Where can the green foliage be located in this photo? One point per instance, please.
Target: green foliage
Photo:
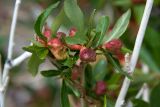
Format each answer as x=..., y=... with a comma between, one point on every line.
x=154, y=97
x=41, y=20
x=138, y=11
x=101, y=28
x=73, y=88
x=100, y=70
x=116, y=65
x=41, y=52
x=105, y=101
x=50, y=73
x=77, y=39
x=120, y=27
x=64, y=95
x=140, y=103
x=74, y=14
x=148, y=59
x=34, y=63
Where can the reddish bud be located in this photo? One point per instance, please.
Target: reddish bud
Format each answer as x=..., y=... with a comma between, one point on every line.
x=47, y=33
x=55, y=43
x=120, y=57
x=60, y=35
x=87, y=55
x=72, y=32
x=75, y=73
x=75, y=47
x=100, y=88
x=113, y=45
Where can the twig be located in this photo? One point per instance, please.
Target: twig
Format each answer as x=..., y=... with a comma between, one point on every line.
x=4, y=79
x=134, y=58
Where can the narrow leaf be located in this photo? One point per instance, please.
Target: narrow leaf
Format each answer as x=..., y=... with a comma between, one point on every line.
x=64, y=95
x=33, y=64
x=117, y=67
x=74, y=13
x=120, y=27
x=100, y=70
x=41, y=20
x=50, y=73
x=75, y=40
x=105, y=101
x=154, y=97
x=102, y=27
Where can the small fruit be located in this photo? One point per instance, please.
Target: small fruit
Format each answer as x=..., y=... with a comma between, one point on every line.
x=100, y=88
x=60, y=35
x=87, y=54
x=55, y=43
x=113, y=45
x=72, y=32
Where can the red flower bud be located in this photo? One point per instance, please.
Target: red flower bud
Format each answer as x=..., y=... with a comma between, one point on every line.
x=100, y=88
x=47, y=33
x=75, y=73
x=87, y=55
x=75, y=47
x=120, y=57
x=113, y=45
x=72, y=32
x=60, y=34
x=55, y=43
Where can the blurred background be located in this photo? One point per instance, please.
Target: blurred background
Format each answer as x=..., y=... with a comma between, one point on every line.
x=27, y=91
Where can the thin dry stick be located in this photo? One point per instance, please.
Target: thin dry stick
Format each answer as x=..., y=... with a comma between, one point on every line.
x=4, y=78
x=134, y=58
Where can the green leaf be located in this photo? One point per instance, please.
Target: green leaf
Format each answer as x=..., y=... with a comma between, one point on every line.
x=69, y=62
x=116, y=65
x=147, y=58
x=100, y=70
x=91, y=19
x=73, y=89
x=74, y=13
x=105, y=101
x=102, y=27
x=126, y=50
x=50, y=73
x=139, y=103
x=41, y=20
x=88, y=76
x=41, y=52
x=58, y=20
x=138, y=12
x=64, y=95
x=119, y=28
x=75, y=40
x=33, y=64
x=154, y=97
x=37, y=43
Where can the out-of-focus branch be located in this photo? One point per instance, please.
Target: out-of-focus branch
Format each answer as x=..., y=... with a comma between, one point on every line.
x=134, y=58
x=4, y=76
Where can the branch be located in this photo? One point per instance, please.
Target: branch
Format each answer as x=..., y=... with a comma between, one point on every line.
x=4, y=77
x=134, y=58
